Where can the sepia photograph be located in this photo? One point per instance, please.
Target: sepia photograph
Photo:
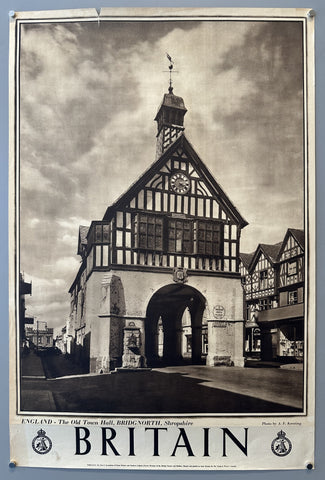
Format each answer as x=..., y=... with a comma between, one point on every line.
x=162, y=220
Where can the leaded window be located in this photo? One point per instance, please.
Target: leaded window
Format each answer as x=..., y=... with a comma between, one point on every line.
x=292, y=268
x=148, y=231
x=293, y=297
x=101, y=233
x=208, y=238
x=263, y=279
x=265, y=304
x=179, y=236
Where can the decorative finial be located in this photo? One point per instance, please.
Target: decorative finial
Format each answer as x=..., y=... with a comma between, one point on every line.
x=171, y=66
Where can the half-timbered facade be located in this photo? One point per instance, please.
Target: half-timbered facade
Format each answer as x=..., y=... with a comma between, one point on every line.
x=250, y=308
x=273, y=284
x=166, y=251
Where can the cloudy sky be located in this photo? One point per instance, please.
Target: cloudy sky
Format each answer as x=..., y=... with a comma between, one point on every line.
x=89, y=94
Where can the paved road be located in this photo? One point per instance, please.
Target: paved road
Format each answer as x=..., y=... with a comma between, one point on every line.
x=190, y=389
x=283, y=386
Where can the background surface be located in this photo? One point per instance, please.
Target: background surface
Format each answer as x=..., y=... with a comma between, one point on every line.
x=29, y=473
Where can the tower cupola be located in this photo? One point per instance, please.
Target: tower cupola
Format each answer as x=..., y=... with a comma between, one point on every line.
x=170, y=120
x=170, y=117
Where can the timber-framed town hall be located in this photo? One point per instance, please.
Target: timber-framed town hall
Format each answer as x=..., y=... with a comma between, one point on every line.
x=159, y=281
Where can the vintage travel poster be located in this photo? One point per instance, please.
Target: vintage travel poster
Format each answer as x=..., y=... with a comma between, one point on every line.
x=162, y=239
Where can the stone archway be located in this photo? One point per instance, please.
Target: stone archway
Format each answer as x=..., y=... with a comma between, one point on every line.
x=169, y=338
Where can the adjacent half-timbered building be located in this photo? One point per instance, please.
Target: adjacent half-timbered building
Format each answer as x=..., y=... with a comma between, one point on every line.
x=159, y=281
x=291, y=294
x=273, y=284
x=250, y=308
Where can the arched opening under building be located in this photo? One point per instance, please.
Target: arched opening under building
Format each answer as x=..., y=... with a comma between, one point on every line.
x=175, y=332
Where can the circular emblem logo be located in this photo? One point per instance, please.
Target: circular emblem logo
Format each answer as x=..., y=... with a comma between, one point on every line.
x=41, y=443
x=218, y=311
x=281, y=446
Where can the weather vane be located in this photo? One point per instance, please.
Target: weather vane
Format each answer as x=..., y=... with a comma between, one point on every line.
x=171, y=70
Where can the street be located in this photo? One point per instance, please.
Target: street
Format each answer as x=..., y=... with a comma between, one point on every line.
x=182, y=389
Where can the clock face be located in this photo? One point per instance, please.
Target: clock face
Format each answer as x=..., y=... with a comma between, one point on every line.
x=179, y=182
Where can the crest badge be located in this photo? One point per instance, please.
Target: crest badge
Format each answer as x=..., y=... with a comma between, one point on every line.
x=281, y=446
x=41, y=443
x=180, y=275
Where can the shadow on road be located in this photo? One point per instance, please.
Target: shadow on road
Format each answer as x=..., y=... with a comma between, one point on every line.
x=145, y=392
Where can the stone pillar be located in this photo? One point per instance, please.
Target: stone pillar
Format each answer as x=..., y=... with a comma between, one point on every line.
x=196, y=322
x=170, y=339
x=238, y=355
x=152, y=340
x=178, y=346
x=196, y=344
x=267, y=341
x=226, y=342
x=106, y=319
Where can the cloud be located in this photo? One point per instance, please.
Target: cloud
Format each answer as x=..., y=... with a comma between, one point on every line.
x=33, y=180
x=66, y=264
x=33, y=222
x=47, y=302
x=71, y=223
x=70, y=240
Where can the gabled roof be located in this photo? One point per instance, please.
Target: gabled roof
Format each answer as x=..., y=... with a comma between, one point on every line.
x=246, y=259
x=298, y=235
x=207, y=177
x=270, y=251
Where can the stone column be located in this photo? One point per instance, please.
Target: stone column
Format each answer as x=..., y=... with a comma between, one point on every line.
x=226, y=341
x=196, y=344
x=238, y=356
x=196, y=322
x=151, y=340
x=170, y=340
x=106, y=313
x=266, y=344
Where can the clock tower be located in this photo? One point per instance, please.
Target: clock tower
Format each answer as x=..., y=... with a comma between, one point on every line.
x=170, y=121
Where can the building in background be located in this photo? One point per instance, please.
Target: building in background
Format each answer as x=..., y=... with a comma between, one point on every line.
x=273, y=284
x=39, y=335
x=159, y=281
x=65, y=338
x=60, y=340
